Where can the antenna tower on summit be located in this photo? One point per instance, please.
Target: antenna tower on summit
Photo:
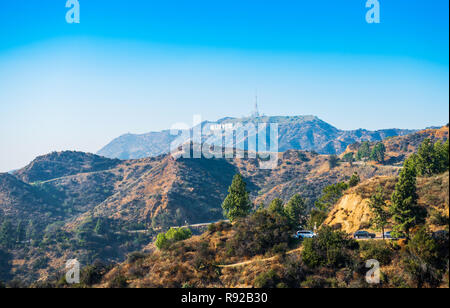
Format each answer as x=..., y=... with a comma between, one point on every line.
x=256, y=112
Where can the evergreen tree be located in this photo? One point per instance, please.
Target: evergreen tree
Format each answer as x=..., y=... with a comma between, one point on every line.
x=354, y=180
x=237, y=203
x=333, y=161
x=277, y=206
x=30, y=232
x=363, y=151
x=378, y=152
x=296, y=211
x=349, y=157
x=100, y=227
x=404, y=210
x=6, y=234
x=442, y=153
x=20, y=232
x=422, y=259
x=378, y=206
x=427, y=160
x=330, y=195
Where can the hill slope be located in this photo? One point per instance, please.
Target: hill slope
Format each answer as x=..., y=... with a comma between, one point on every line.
x=352, y=212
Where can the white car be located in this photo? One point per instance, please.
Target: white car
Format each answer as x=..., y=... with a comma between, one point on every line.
x=305, y=234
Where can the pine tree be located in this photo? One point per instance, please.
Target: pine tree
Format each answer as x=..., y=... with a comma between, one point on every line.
x=296, y=211
x=427, y=160
x=404, y=210
x=442, y=153
x=100, y=227
x=20, y=232
x=378, y=152
x=237, y=203
x=6, y=234
x=378, y=206
x=354, y=180
x=30, y=232
x=363, y=151
x=277, y=206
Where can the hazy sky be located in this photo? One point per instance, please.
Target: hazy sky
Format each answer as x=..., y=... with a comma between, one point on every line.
x=139, y=66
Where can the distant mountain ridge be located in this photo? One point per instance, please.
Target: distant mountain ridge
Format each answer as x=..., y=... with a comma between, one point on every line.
x=308, y=133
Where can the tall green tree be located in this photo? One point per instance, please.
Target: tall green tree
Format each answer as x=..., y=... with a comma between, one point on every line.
x=330, y=195
x=363, y=151
x=354, y=180
x=349, y=157
x=442, y=153
x=333, y=161
x=378, y=152
x=20, y=231
x=426, y=159
x=6, y=234
x=377, y=205
x=422, y=258
x=100, y=227
x=237, y=203
x=277, y=206
x=296, y=211
x=404, y=209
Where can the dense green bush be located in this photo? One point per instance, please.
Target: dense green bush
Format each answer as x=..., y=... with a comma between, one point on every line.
x=260, y=232
x=329, y=249
x=421, y=259
x=164, y=240
x=378, y=250
x=118, y=282
x=267, y=280
x=135, y=256
x=431, y=158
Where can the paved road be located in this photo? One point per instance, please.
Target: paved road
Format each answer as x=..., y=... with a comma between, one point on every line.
x=204, y=224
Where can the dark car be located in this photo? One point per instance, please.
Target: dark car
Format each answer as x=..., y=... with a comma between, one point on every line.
x=363, y=235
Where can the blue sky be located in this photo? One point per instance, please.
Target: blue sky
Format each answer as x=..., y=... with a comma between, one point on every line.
x=139, y=66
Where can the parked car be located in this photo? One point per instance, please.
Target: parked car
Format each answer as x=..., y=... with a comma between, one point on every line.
x=305, y=234
x=363, y=235
x=390, y=236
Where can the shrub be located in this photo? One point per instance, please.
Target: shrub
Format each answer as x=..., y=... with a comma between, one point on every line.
x=259, y=233
x=267, y=280
x=135, y=256
x=438, y=219
x=422, y=259
x=212, y=228
x=118, y=282
x=329, y=249
x=164, y=240
x=293, y=272
x=333, y=161
x=280, y=248
x=92, y=274
x=354, y=180
x=316, y=218
x=378, y=250
x=315, y=282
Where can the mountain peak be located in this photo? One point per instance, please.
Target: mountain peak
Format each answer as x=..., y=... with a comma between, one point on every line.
x=58, y=164
x=302, y=132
